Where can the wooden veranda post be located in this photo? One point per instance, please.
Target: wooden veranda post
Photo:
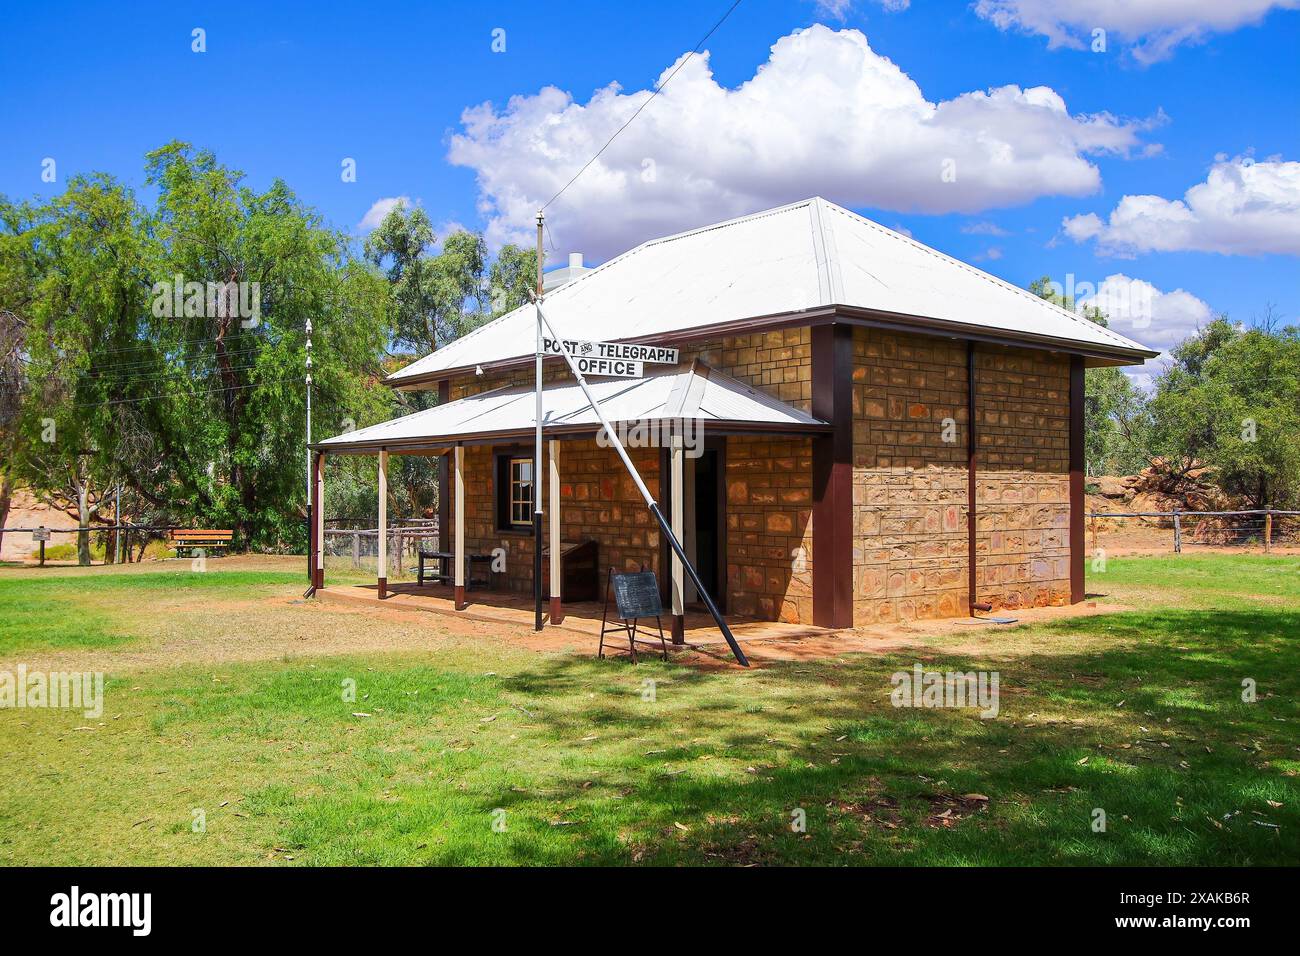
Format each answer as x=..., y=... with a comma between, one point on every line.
x=553, y=461
x=458, y=560
x=537, y=448
x=678, y=512
x=382, y=542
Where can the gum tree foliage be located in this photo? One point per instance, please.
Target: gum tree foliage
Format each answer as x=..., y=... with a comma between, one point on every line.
x=18, y=275
x=1115, y=417
x=83, y=254
x=1231, y=399
x=199, y=414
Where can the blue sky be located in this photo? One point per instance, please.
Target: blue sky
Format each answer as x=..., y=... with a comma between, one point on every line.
x=289, y=90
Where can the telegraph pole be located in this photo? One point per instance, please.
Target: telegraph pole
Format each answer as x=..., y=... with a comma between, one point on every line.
x=537, y=454
x=310, y=523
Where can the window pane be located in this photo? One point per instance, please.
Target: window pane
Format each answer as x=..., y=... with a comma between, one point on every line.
x=521, y=490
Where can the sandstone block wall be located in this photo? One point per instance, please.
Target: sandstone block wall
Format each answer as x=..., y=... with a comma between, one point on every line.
x=909, y=509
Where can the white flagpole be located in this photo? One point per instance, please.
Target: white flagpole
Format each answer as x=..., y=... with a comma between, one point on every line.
x=537, y=454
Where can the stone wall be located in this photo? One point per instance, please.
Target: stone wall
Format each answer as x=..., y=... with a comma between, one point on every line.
x=1022, y=498
x=778, y=363
x=909, y=509
x=598, y=501
x=910, y=479
x=769, y=528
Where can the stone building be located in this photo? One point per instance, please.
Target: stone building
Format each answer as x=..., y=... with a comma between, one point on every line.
x=870, y=430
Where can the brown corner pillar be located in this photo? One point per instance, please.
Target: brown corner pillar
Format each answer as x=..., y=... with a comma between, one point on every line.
x=972, y=485
x=1077, y=589
x=832, y=517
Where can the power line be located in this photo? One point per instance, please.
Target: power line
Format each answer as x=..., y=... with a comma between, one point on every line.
x=144, y=368
x=148, y=398
x=656, y=92
x=180, y=343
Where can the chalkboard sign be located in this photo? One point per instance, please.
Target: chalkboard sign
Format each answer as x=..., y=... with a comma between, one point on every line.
x=637, y=595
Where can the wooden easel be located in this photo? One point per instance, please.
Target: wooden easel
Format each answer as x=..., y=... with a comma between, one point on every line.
x=632, y=603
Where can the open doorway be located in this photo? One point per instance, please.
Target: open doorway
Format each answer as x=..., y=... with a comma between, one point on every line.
x=704, y=519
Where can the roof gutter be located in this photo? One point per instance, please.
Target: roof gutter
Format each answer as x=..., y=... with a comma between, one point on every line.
x=854, y=315
x=443, y=443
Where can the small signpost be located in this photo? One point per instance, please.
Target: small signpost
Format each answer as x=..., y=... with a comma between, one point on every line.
x=610, y=359
x=41, y=534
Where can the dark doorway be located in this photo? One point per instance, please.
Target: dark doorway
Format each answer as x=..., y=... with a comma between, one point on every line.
x=708, y=515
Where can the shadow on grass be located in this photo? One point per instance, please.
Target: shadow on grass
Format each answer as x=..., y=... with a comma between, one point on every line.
x=595, y=765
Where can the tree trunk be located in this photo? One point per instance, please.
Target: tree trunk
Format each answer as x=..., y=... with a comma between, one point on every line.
x=6, y=496
x=83, y=525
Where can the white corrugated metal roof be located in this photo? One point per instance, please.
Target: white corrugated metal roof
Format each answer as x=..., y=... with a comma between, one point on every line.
x=808, y=255
x=697, y=392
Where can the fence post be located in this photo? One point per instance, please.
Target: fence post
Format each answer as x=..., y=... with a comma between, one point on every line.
x=1178, y=532
x=1268, y=531
x=1093, y=527
x=356, y=551
x=398, y=551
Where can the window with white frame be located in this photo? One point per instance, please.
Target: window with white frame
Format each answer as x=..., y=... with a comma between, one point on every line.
x=521, y=491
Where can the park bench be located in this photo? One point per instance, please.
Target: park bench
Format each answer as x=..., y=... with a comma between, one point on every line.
x=188, y=540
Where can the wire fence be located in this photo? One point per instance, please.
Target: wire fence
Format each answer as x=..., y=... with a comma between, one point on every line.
x=108, y=544
x=358, y=548
x=353, y=545
x=1177, y=530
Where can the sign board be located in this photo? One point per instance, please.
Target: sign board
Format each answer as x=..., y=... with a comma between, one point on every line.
x=41, y=534
x=610, y=368
x=637, y=595
x=615, y=351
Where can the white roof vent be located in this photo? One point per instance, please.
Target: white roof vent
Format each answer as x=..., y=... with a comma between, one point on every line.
x=557, y=277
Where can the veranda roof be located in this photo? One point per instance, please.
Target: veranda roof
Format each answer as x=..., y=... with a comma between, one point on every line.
x=698, y=392
x=774, y=266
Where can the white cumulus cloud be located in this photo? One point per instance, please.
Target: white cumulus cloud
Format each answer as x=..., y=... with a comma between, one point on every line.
x=1156, y=319
x=379, y=209
x=824, y=115
x=1243, y=208
x=1151, y=29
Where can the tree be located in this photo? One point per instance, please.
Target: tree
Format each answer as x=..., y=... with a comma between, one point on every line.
x=235, y=423
x=164, y=348
x=1231, y=399
x=87, y=252
x=439, y=295
x=1115, y=417
x=19, y=272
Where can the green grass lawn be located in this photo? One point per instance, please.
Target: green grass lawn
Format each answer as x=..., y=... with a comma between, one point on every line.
x=487, y=754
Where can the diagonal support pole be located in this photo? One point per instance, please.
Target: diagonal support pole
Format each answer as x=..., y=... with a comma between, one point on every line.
x=649, y=498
